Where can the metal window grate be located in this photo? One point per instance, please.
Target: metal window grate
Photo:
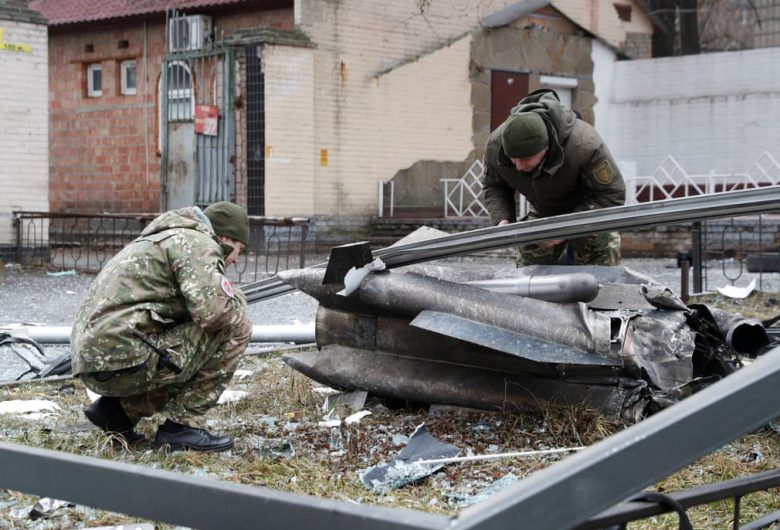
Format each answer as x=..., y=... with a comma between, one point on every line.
x=255, y=132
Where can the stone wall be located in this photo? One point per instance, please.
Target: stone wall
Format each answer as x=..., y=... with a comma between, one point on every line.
x=535, y=51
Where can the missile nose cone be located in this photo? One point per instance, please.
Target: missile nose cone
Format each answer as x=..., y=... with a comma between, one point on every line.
x=291, y=277
x=309, y=281
x=303, y=279
x=299, y=361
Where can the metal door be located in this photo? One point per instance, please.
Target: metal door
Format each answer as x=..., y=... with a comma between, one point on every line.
x=197, y=127
x=506, y=89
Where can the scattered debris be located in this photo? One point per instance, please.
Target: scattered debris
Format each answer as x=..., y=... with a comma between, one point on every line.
x=325, y=390
x=495, y=487
x=45, y=507
x=349, y=420
x=231, y=396
x=754, y=456
x=437, y=409
x=71, y=272
x=519, y=454
x=354, y=401
x=284, y=449
x=32, y=409
x=732, y=291
x=405, y=468
x=240, y=375
x=132, y=526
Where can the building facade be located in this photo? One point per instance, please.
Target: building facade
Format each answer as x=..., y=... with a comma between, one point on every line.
x=313, y=103
x=24, y=138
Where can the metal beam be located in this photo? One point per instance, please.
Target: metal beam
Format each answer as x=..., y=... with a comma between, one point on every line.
x=297, y=333
x=688, y=209
x=187, y=500
x=604, y=474
x=736, y=487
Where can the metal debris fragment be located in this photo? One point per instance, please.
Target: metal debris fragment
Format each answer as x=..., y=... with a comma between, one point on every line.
x=45, y=507
x=32, y=409
x=405, y=469
x=733, y=291
x=353, y=401
x=231, y=396
x=494, y=456
x=484, y=493
x=349, y=420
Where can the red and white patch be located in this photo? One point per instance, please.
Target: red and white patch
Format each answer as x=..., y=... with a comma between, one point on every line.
x=225, y=283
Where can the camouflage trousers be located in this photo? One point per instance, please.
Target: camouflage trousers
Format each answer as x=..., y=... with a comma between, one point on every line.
x=207, y=361
x=599, y=249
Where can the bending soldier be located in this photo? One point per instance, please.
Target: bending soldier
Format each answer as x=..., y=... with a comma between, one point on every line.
x=162, y=329
x=561, y=165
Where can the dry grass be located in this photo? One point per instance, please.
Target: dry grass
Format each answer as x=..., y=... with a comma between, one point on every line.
x=282, y=412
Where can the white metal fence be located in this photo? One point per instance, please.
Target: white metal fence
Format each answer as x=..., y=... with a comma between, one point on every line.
x=462, y=197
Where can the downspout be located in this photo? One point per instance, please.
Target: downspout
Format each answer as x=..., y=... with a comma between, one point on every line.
x=146, y=106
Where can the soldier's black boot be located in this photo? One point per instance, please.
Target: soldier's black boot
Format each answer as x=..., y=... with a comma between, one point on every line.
x=107, y=413
x=177, y=436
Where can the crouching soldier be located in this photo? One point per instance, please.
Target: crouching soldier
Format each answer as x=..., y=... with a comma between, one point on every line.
x=162, y=329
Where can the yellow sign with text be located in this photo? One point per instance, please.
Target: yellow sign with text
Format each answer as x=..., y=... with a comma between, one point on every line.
x=9, y=47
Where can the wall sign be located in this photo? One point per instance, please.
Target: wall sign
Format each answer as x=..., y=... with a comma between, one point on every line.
x=10, y=47
x=207, y=120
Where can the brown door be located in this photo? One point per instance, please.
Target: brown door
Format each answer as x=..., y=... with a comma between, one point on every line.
x=506, y=89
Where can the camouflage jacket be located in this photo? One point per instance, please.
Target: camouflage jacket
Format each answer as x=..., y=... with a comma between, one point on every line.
x=578, y=172
x=173, y=273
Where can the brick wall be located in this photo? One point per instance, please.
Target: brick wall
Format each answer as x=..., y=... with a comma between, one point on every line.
x=24, y=132
x=105, y=150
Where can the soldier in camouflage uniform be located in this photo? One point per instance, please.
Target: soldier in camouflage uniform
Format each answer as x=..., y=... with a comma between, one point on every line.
x=162, y=329
x=561, y=165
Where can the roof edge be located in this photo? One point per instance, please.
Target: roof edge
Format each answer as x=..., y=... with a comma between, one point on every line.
x=18, y=11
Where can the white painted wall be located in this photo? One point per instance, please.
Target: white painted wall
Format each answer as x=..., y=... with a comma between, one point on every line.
x=711, y=112
x=290, y=152
x=24, y=134
x=391, y=87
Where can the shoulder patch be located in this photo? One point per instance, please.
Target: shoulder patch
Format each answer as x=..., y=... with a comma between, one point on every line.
x=225, y=284
x=603, y=172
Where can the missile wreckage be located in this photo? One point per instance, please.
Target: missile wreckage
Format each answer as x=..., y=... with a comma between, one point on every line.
x=605, y=337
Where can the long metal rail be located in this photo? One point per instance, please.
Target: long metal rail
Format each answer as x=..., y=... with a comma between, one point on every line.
x=591, y=481
x=578, y=224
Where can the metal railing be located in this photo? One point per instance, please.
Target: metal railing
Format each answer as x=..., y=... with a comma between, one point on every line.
x=85, y=241
x=391, y=202
x=462, y=196
x=670, y=180
x=634, y=217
